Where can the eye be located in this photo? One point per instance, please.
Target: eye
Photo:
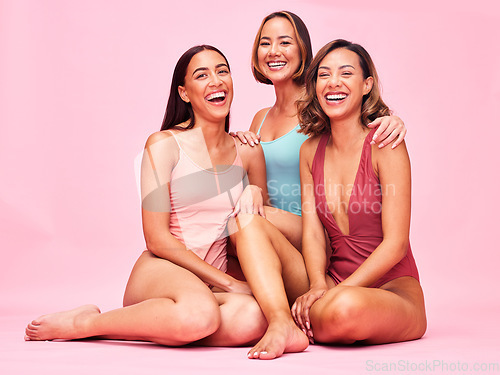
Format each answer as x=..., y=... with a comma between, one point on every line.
x=223, y=71
x=201, y=75
x=323, y=74
x=347, y=74
x=264, y=43
x=285, y=43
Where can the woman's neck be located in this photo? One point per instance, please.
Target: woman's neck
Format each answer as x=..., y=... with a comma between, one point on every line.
x=346, y=133
x=287, y=94
x=214, y=133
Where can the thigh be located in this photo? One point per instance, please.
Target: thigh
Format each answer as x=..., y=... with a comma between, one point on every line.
x=287, y=223
x=154, y=277
x=256, y=234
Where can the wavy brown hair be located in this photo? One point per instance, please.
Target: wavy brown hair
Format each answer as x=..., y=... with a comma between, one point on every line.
x=312, y=118
x=303, y=41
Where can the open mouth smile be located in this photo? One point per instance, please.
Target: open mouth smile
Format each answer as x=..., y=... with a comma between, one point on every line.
x=216, y=97
x=335, y=98
x=276, y=65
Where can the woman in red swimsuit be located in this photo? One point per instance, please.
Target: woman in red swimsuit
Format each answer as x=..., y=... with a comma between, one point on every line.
x=360, y=194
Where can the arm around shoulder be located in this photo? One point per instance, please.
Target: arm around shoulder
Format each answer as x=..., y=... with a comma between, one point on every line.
x=255, y=166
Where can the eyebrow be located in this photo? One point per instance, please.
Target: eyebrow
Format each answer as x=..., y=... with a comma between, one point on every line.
x=340, y=67
x=280, y=37
x=203, y=68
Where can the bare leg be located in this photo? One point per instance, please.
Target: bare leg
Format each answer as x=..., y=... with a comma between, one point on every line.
x=164, y=303
x=395, y=312
x=242, y=321
x=266, y=256
x=287, y=223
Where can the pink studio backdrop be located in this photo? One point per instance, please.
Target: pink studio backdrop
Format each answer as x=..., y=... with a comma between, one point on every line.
x=83, y=83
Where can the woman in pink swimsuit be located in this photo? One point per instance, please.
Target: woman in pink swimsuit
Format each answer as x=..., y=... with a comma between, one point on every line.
x=193, y=176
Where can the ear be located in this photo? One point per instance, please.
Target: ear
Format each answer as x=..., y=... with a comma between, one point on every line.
x=368, y=85
x=182, y=93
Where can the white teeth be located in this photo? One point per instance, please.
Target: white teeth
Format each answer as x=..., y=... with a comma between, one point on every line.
x=276, y=64
x=220, y=94
x=336, y=97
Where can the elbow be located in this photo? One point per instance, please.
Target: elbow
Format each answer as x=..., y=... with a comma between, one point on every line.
x=399, y=248
x=153, y=244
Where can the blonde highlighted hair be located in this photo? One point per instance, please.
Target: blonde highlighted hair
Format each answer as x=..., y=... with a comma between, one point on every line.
x=303, y=41
x=312, y=118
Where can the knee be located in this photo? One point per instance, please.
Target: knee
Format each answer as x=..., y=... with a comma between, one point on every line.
x=336, y=319
x=189, y=321
x=199, y=321
x=246, y=226
x=250, y=324
x=256, y=323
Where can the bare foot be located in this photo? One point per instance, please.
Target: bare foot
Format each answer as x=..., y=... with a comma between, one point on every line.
x=280, y=337
x=66, y=325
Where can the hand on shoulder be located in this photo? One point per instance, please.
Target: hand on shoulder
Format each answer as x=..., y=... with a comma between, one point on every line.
x=258, y=118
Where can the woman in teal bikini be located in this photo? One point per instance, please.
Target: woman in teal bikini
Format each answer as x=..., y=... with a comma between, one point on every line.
x=280, y=57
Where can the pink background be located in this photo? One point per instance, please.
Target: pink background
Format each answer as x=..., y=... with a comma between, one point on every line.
x=83, y=83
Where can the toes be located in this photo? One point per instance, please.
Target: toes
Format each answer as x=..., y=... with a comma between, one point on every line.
x=267, y=355
x=252, y=354
x=261, y=354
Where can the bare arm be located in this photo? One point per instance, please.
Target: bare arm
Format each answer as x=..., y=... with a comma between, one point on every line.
x=160, y=157
x=255, y=166
x=393, y=168
x=313, y=242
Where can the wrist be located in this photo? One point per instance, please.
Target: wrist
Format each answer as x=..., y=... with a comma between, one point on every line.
x=318, y=284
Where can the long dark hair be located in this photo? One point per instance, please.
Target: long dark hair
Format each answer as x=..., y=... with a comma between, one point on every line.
x=178, y=111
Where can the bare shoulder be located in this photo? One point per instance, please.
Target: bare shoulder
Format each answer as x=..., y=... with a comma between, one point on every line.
x=390, y=158
x=158, y=137
x=162, y=147
x=258, y=118
x=247, y=153
x=308, y=148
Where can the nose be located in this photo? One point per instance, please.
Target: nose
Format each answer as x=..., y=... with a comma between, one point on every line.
x=274, y=50
x=334, y=80
x=216, y=80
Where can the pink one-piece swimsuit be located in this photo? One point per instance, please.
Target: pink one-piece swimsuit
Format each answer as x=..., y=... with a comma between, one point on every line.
x=364, y=217
x=202, y=201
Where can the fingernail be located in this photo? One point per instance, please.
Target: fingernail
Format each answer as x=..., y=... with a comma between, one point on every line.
x=375, y=137
x=257, y=142
x=372, y=142
x=393, y=146
x=251, y=143
x=308, y=325
x=381, y=145
x=263, y=352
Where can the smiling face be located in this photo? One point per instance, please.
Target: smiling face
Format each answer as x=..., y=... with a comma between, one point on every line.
x=340, y=85
x=208, y=86
x=278, y=53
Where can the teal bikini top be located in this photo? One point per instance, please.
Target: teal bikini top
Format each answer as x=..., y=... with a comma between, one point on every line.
x=282, y=167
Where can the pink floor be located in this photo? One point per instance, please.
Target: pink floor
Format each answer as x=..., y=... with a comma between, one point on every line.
x=456, y=342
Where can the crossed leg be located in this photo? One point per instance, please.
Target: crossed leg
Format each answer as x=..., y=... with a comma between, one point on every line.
x=392, y=313
x=163, y=303
x=271, y=265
